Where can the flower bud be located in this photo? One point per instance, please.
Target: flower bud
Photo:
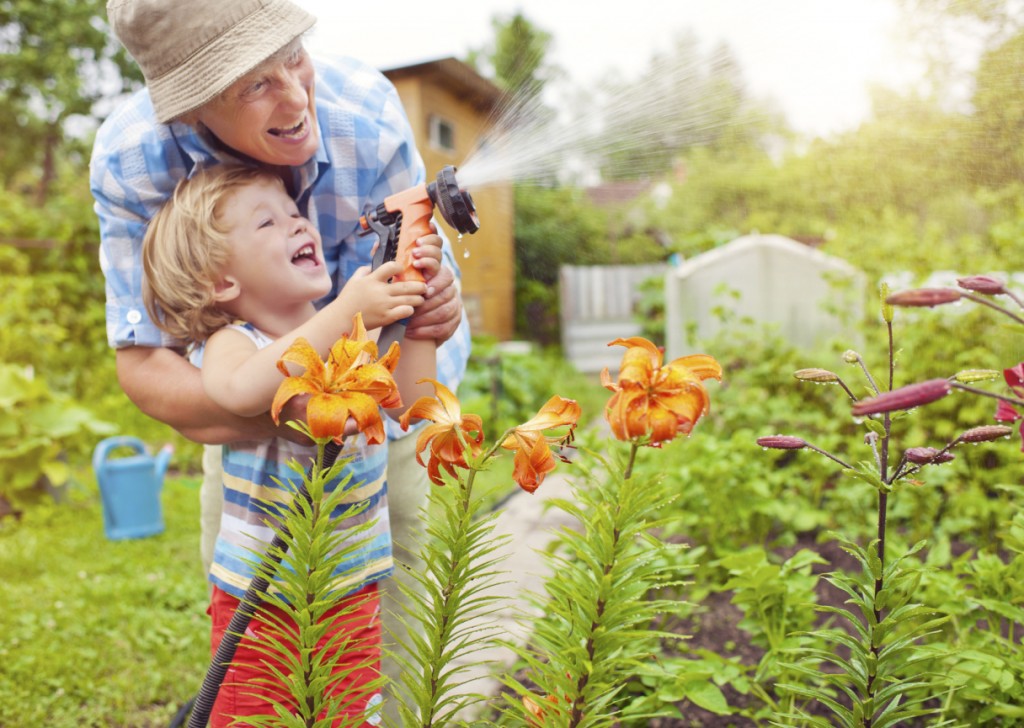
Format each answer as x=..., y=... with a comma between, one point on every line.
x=913, y=395
x=982, y=284
x=887, y=312
x=926, y=455
x=986, y=433
x=781, y=442
x=821, y=376
x=970, y=376
x=924, y=297
x=850, y=356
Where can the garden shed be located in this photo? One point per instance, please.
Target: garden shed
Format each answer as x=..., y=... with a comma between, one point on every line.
x=768, y=279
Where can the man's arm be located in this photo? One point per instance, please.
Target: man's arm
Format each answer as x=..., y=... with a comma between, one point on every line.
x=168, y=388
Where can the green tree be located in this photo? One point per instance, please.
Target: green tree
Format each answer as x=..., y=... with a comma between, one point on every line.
x=516, y=58
x=998, y=151
x=59, y=62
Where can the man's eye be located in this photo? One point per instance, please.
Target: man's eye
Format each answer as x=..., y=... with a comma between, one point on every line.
x=295, y=58
x=254, y=88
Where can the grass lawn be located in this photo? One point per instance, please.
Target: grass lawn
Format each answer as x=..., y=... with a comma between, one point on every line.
x=97, y=632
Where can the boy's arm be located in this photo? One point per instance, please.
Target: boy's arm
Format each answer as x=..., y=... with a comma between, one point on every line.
x=243, y=378
x=418, y=361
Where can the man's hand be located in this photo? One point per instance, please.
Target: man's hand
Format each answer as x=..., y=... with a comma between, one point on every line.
x=440, y=314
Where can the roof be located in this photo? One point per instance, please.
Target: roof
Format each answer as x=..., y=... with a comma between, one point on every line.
x=454, y=74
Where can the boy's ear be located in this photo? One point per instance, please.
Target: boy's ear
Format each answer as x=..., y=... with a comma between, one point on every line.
x=226, y=289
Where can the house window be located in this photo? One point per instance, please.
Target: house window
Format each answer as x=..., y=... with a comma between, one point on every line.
x=442, y=133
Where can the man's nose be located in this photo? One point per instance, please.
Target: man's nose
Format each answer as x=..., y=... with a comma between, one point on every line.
x=293, y=91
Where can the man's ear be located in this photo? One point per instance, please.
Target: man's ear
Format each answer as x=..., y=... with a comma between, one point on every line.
x=227, y=289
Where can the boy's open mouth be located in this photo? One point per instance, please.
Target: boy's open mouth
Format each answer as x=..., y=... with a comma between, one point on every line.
x=305, y=257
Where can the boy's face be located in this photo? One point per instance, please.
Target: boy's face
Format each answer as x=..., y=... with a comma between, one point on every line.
x=276, y=257
x=269, y=115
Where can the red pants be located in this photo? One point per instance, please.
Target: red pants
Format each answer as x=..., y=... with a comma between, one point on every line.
x=244, y=692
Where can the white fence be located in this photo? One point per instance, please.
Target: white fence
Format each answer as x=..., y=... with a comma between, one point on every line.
x=597, y=305
x=762, y=278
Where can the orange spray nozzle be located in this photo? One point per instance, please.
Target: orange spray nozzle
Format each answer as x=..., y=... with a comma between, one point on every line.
x=405, y=216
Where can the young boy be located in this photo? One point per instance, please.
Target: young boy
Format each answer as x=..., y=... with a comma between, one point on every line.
x=233, y=269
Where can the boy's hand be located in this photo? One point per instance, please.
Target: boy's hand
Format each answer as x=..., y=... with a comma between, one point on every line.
x=426, y=257
x=380, y=302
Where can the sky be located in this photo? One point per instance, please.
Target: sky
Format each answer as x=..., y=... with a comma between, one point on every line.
x=816, y=59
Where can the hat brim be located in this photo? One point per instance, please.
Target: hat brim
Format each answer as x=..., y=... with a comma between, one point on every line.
x=215, y=67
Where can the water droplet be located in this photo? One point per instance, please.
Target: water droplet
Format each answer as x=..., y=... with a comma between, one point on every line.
x=465, y=253
x=460, y=237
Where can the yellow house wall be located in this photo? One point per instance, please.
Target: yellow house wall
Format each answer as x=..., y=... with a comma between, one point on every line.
x=487, y=258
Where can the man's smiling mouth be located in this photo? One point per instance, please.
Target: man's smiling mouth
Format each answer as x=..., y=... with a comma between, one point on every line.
x=292, y=132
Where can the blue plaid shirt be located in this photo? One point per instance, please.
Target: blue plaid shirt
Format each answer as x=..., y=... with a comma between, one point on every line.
x=367, y=152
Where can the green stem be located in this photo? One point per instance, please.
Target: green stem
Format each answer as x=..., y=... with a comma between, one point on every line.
x=983, y=393
x=994, y=306
x=634, y=447
x=446, y=622
x=883, y=501
x=829, y=455
x=576, y=711
x=867, y=374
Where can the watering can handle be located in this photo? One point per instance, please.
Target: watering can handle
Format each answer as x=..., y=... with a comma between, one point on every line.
x=103, y=449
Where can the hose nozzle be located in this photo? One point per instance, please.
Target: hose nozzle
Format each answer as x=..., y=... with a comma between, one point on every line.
x=456, y=204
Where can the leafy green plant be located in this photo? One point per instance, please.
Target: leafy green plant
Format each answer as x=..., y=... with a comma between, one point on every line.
x=301, y=665
x=598, y=609
x=878, y=681
x=41, y=429
x=460, y=562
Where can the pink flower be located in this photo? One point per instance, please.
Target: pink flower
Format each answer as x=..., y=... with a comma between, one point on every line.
x=1005, y=412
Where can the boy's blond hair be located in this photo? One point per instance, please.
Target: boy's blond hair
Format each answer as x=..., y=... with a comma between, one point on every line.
x=186, y=248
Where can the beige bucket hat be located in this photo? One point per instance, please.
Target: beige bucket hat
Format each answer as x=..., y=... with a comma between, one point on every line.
x=192, y=50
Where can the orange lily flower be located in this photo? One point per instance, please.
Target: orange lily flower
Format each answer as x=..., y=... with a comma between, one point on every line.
x=446, y=450
x=351, y=383
x=533, y=459
x=655, y=400
x=535, y=714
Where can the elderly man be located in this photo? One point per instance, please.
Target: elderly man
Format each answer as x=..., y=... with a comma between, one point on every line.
x=230, y=81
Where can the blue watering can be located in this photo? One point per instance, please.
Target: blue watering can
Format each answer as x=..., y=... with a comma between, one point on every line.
x=130, y=488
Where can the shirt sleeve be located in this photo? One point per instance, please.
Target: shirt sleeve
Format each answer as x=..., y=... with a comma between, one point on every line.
x=130, y=176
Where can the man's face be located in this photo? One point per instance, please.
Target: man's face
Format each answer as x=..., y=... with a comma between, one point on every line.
x=269, y=115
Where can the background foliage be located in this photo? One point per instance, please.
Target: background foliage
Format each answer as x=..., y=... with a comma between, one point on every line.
x=926, y=184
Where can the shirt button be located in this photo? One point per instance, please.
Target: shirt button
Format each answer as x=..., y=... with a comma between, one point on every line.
x=134, y=316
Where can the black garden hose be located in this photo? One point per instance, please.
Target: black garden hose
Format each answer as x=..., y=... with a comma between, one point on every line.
x=202, y=704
